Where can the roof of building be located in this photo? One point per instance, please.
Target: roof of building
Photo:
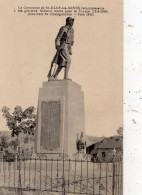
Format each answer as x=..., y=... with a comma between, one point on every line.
x=90, y=140
x=108, y=143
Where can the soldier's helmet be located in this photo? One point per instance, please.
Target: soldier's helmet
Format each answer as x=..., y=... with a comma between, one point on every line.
x=69, y=19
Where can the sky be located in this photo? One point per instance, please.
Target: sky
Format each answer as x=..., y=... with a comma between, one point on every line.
x=27, y=48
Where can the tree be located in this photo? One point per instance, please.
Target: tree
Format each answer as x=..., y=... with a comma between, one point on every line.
x=3, y=142
x=20, y=121
x=14, y=144
x=120, y=131
x=26, y=139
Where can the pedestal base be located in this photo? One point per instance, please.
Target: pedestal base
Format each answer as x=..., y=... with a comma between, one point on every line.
x=60, y=117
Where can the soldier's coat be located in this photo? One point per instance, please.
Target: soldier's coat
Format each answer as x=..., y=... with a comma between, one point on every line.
x=64, y=39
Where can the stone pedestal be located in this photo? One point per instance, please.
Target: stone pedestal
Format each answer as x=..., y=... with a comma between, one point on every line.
x=60, y=117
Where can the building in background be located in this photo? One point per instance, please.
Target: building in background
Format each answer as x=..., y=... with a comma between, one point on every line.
x=103, y=150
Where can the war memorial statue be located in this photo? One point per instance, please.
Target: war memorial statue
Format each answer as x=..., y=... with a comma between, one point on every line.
x=61, y=104
x=63, y=44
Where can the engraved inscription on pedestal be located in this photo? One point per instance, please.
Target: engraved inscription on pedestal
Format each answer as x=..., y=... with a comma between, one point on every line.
x=50, y=125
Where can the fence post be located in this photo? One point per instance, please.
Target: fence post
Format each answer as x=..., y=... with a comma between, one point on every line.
x=19, y=177
x=63, y=184
x=113, y=176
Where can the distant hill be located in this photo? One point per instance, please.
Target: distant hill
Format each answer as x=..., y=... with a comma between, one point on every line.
x=93, y=139
x=89, y=139
x=5, y=133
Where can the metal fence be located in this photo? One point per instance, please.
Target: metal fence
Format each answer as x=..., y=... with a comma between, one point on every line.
x=62, y=175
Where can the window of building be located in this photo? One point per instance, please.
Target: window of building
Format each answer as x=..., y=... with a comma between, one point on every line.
x=103, y=154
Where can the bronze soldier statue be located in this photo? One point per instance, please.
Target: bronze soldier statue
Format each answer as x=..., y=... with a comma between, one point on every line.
x=80, y=143
x=63, y=44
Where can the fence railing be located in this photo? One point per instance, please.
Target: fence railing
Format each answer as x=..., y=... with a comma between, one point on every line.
x=62, y=175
